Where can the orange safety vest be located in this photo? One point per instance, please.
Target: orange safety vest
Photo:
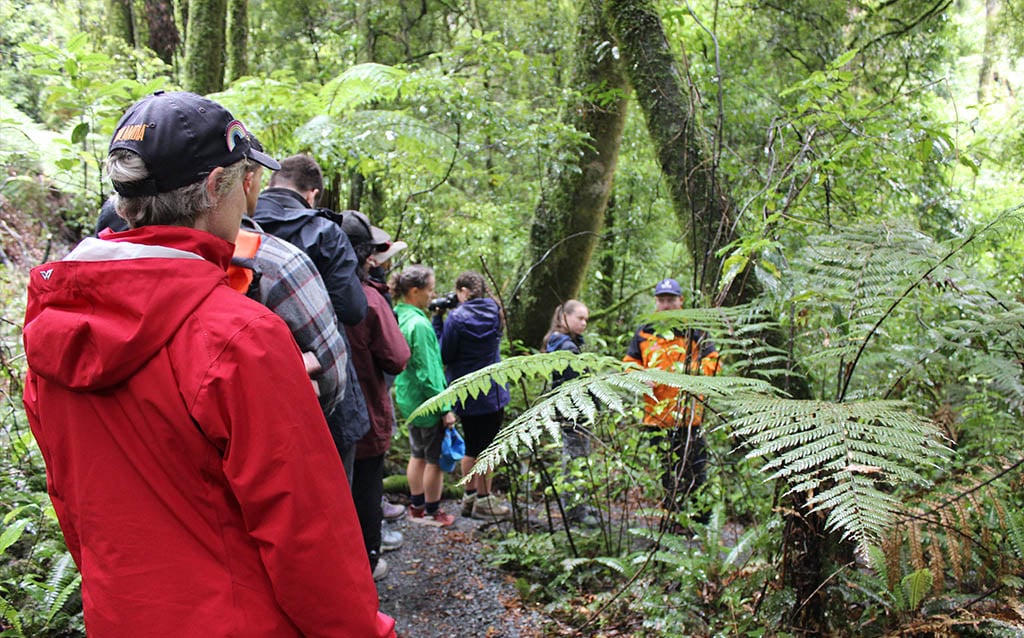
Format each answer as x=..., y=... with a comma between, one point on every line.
x=242, y=271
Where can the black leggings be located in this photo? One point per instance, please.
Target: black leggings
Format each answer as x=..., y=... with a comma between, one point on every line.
x=367, y=490
x=480, y=430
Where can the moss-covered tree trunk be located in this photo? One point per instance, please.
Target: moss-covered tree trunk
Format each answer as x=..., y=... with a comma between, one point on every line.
x=121, y=21
x=204, y=48
x=181, y=12
x=675, y=129
x=704, y=208
x=238, y=39
x=570, y=214
x=163, y=32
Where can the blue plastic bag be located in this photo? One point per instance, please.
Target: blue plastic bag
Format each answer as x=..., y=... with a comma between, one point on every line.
x=453, y=448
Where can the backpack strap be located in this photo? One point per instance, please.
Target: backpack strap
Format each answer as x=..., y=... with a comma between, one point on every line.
x=243, y=275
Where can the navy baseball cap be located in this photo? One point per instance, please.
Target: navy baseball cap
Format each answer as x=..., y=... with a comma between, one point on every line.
x=181, y=137
x=668, y=287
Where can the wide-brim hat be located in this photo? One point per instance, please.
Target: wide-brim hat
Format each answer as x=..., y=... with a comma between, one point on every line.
x=392, y=249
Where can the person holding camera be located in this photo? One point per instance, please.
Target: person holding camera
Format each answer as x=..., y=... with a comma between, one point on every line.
x=422, y=379
x=471, y=340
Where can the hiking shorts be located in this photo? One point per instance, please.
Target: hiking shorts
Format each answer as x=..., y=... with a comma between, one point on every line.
x=426, y=442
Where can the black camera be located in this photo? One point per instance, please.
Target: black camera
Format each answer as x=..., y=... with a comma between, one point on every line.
x=447, y=302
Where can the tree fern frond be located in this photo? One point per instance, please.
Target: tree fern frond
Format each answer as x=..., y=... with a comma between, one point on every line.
x=62, y=581
x=857, y=451
x=604, y=382
x=361, y=85
x=513, y=370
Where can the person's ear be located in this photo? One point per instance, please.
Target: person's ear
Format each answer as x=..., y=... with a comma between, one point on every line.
x=311, y=196
x=248, y=181
x=213, y=181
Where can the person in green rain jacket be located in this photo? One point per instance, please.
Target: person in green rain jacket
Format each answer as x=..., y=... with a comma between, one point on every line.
x=422, y=379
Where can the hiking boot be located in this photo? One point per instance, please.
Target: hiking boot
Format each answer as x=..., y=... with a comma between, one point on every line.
x=437, y=519
x=487, y=508
x=390, y=540
x=416, y=512
x=467, y=504
x=381, y=570
x=391, y=511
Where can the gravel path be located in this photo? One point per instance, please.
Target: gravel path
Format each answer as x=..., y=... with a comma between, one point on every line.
x=439, y=585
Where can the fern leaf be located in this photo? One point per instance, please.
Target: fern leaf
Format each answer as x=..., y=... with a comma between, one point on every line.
x=62, y=581
x=12, y=617
x=360, y=85
x=604, y=381
x=916, y=586
x=856, y=451
x=513, y=370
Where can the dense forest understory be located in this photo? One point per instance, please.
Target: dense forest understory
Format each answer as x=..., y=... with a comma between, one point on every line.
x=835, y=184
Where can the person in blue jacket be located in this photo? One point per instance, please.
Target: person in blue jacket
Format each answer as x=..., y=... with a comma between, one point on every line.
x=568, y=323
x=471, y=340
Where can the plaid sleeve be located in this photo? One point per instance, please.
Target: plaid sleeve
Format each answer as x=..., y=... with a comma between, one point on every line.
x=291, y=287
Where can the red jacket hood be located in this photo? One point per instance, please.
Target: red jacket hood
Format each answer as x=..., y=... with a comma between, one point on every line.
x=95, y=318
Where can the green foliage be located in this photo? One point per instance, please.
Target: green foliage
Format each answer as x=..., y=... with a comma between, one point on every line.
x=39, y=585
x=273, y=107
x=603, y=382
x=86, y=91
x=848, y=456
x=859, y=161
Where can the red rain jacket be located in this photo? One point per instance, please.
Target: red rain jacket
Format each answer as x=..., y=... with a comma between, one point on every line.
x=187, y=457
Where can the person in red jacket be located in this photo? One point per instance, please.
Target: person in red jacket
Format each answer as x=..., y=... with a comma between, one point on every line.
x=187, y=458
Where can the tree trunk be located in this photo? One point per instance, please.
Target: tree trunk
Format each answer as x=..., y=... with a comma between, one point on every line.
x=204, y=49
x=989, y=52
x=705, y=209
x=669, y=106
x=181, y=11
x=570, y=215
x=238, y=39
x=121, y=20
x=163, y=32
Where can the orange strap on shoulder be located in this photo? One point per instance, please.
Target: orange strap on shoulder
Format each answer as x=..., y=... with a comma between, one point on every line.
x=246, y=244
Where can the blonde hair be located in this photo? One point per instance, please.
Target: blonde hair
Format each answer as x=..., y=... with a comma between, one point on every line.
x=558, y=319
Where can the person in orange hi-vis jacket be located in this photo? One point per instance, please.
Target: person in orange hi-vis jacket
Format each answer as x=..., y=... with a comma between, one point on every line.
x=674, y=416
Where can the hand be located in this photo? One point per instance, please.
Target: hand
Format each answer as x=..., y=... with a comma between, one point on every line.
x=448, y=419
x=316, y=387
x=312, y=365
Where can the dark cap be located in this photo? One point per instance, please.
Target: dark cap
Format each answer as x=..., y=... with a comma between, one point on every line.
x=668, y=287
x=181, y=137
x=360, y=231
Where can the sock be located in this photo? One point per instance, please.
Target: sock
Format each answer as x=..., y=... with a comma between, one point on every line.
x=433, y=507
x=418, y=500
x=470, y=493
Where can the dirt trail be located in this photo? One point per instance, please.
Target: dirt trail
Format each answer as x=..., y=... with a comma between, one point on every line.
x=439, y=585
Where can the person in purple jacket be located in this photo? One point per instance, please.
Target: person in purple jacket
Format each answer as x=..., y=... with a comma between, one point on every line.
x=471, y=340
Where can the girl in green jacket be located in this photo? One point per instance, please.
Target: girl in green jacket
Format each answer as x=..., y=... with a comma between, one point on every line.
x=422, y=378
